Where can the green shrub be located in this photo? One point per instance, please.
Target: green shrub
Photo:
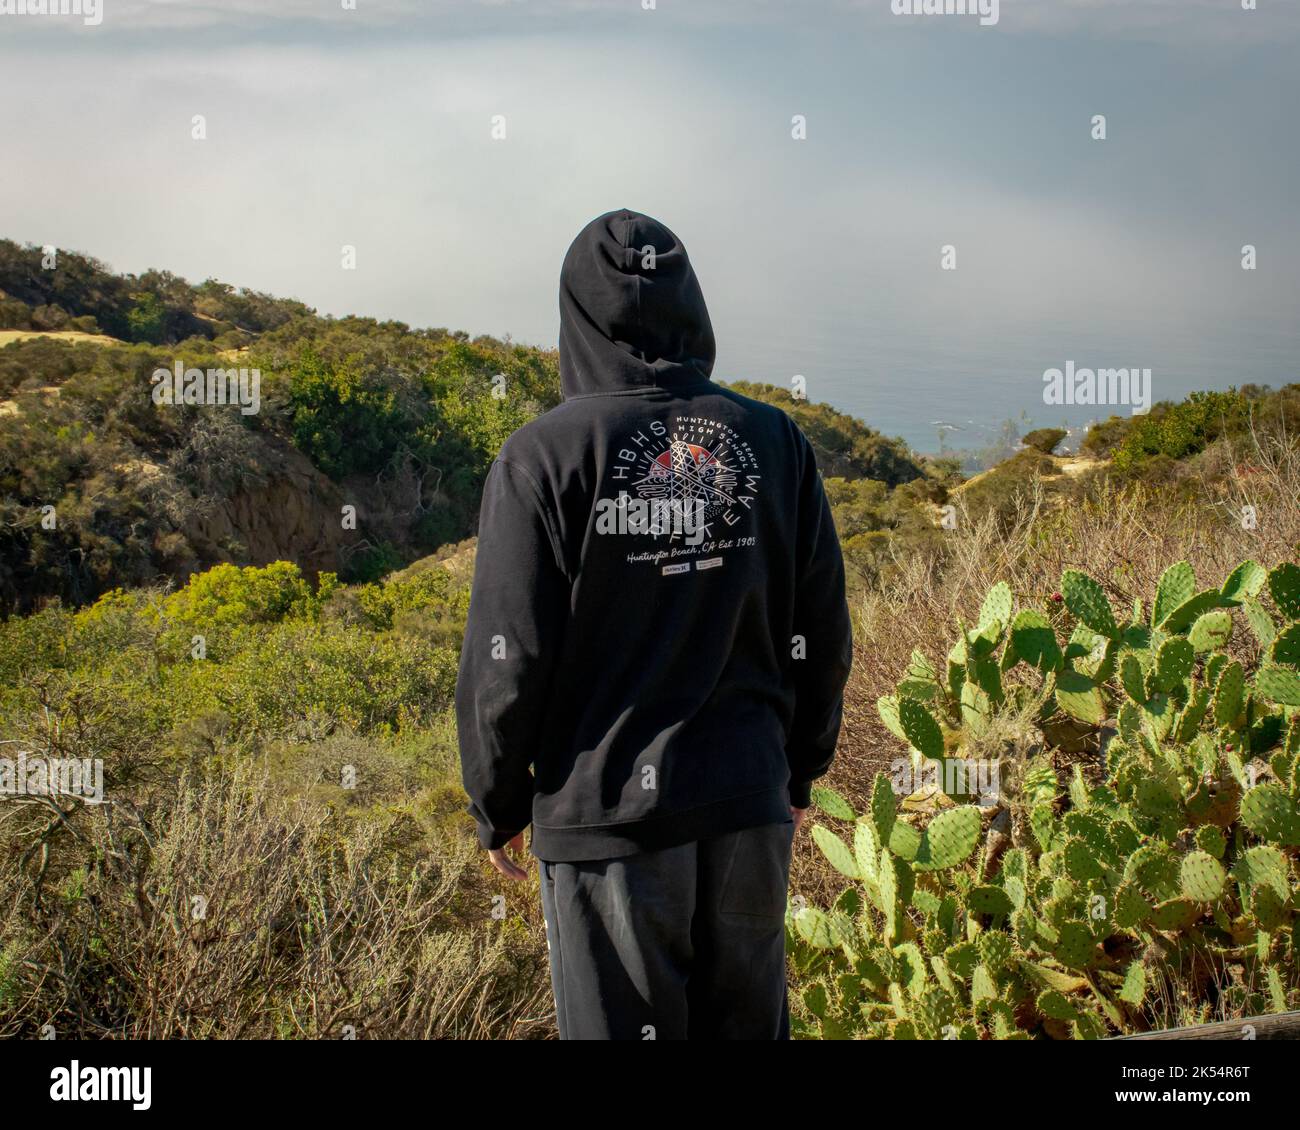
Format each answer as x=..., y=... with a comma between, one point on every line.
x=230, y=595
x=304, y=680
x=1180, y=430
x=1044, y=439
x=348, y=420
x=146, y=318
x=1104, y=437
x=270, y=665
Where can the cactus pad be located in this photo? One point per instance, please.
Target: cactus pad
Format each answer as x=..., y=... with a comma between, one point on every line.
x=904, y=841
x=1056, y=1005
x=983, y=987
x=815, y=927
x=883, y=810
x=1156, y=799
x=1075, y=945
x=836, y=852
x=1154, y=869
x=1175, y=914
x=949, y=839
x=1035, y=641
x=1174, y=662
x=1185, y=615
x=1270, y=812
x=988, y=900
x=887, y=708
x=1279, y=684
x=1087, y=600
x=1079, y=697
x=997, y=606
x=995, y=950
x=1130, y=909
x=1285, y=651
x=1133, y=678
x=1134, y=989
x=1211, y=630
x=920, y=682
x=1177, y=584
x=831, y=803
x=1244, y=582
x=1268, y=908
x=1229, y=694
x=1261, y=623
x=1264, y=866
x=815, y=999
x=1284, y=587
x=935, y=1014
x=866, y=848
x=1081, y=862
x=923, y=732
x=1211, y=841
x=893, y=879
x=1203, y=877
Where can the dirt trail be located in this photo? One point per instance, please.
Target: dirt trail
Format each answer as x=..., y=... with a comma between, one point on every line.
x=6, y=336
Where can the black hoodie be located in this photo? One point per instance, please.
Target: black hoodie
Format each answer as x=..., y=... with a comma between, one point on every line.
x=658, y=638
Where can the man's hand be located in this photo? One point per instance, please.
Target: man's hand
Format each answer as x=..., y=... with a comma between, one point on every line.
x=797, y=815
x=502, y=861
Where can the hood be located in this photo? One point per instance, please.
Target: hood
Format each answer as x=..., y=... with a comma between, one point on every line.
x=630, y=317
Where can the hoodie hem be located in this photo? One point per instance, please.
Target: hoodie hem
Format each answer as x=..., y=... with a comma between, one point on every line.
x=577, y=843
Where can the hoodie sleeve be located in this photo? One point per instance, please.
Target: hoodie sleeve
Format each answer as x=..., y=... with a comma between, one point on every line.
x=821, y=619
x=517, y=611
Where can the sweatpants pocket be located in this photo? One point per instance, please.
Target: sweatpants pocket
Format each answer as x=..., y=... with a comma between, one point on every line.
x=758, y=872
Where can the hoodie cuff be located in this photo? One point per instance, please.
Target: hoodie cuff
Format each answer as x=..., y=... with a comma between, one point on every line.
x=490, y=838
x=800, y=794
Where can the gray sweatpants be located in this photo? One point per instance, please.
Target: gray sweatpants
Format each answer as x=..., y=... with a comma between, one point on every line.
x=683, y=943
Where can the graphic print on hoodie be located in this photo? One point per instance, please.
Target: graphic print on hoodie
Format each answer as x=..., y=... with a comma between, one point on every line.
x=658, y=638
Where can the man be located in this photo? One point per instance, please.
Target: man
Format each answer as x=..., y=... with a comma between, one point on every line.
x=655, y=659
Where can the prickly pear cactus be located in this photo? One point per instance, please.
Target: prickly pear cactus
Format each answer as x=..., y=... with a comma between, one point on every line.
x=1177, y=835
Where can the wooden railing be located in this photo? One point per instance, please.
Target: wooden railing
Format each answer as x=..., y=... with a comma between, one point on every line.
x=1278, y=1026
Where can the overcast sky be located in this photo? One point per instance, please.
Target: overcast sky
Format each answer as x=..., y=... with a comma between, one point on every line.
x=819, y=257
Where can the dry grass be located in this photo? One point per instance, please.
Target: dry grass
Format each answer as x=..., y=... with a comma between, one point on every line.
x=223, y=909
x=6, y=336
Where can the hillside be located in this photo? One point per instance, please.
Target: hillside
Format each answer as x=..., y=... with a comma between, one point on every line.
x=399, y=424
x=371, y=439
x=367, y=449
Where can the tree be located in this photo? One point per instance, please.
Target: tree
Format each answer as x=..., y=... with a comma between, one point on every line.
x=146, y=317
